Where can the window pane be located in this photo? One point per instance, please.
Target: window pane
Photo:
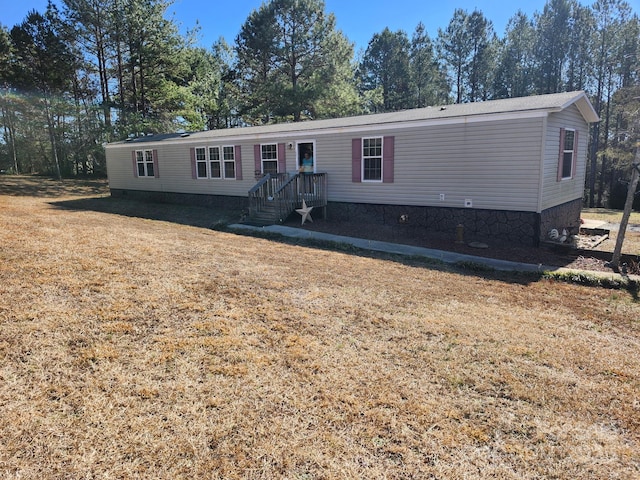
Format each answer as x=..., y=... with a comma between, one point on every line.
x=269, y=152
x=148, y=154
x=141, y=170
x=270, y=167
x=202, y=170
x=215, y=169
x=567, y=164
x=200, y=154
x=150, y=169
x=139, y=156
x=568, y=140
x=229, y=170
x=372, y=169
x=372, y=147
x=214, y=153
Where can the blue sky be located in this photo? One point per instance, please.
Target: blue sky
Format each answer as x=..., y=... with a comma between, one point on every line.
x=359, y=20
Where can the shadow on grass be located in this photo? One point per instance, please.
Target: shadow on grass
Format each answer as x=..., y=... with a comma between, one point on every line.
x=218, y=219
x=204, y=217
x=44, y=187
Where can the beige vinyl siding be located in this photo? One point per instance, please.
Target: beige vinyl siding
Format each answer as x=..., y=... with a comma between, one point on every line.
x=495, y=164
x=174, y=165
x=556, y=192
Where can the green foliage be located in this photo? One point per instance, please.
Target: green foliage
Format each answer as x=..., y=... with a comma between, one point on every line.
x=386, y=66
x=469, y=48
x=104, y=70
x=290, y=59
x=594, y=280
x=428, y=79
x=515, y=61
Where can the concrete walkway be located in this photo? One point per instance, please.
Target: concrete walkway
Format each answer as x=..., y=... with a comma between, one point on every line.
x=409, y=250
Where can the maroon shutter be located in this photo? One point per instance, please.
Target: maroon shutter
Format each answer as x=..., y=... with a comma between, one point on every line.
x=282, y=158
x=135, y=163
x=156, y=173
x=238, y=159
x=194, y=169
x=388, y=144
x=561, y=154
x=356, y=160
x=257, y=159
x=575, y=154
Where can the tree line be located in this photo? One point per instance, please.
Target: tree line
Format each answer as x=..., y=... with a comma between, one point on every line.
x=94, y=71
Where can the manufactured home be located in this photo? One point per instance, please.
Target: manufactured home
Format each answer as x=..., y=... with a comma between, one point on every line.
x=511, y=169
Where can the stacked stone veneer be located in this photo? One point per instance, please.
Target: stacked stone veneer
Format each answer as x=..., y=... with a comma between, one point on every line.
x=520, y=228
x=566, y=216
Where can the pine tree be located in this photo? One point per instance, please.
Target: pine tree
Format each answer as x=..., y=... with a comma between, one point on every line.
x=428, y=80
x=290, y=57
x=385, y=66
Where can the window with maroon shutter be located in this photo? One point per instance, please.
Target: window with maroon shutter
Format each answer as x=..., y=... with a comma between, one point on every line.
x=372, y=159
x=215, y=162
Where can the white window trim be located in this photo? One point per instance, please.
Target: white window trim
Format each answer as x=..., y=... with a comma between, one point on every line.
x=208, y=161
x=224, y=161
x=205, y=161
x=315, y=160
x=145, y=163
x=262, y=159
x=565, y=151
x=363, y=158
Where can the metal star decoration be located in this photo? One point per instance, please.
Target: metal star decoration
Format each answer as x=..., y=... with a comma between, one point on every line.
x=305, y=212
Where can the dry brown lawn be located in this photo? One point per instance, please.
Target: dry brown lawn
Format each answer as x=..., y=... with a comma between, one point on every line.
x=136, y=348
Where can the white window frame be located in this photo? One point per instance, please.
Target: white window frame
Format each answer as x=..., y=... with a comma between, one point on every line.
x=313, y=148
x=364, y=159
x=207, y=156
x=211, y=160
x=228, y=158
x=144, y=159
x=201, y=158
x=263, y=159
x=566, y=151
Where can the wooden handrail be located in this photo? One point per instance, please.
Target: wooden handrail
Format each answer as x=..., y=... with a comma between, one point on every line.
x=282, y=194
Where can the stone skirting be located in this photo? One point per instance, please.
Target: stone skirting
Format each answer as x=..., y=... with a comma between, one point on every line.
x=565, y=216
x=516, y=228
x=510, y=227
x=520, y=228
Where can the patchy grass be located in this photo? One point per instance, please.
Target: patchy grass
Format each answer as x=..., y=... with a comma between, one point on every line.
x=610, y=216
x=631, y=242
x=139, y=348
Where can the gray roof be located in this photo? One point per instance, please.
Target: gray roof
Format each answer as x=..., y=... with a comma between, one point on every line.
x=538, y=103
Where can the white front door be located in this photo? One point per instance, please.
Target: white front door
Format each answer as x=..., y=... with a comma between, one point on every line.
x=306, y=154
